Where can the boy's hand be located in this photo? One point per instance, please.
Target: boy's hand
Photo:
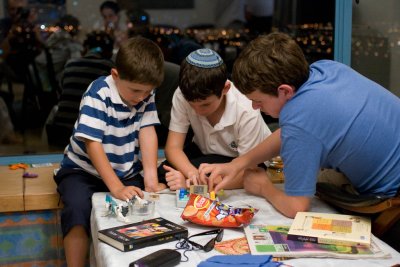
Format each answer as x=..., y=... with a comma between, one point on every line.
x=175, y=179
x=126, y=193
x=217, y=174
x=193, y=178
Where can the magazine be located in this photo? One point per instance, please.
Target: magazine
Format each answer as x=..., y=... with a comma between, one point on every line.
x=142, y=234
x=272, y=240
x=329, y=228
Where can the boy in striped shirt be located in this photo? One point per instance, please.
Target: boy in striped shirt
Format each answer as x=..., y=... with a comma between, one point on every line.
x=117, y=117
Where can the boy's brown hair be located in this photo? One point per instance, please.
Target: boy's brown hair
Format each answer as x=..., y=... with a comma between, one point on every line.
x=140, y=60
x=268, y=62
x=198, y=83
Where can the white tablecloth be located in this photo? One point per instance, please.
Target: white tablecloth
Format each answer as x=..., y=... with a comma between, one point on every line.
x=105, y=255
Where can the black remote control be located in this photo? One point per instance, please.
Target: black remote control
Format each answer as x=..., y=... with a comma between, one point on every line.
x=161, y=258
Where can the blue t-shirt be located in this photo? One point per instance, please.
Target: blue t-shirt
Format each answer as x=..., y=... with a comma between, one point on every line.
x=105, y=118
x=341, y=120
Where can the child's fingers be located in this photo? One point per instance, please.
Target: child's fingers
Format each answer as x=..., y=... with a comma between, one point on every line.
x=203, y=170
x=138, y=191
x=194, y=180
x=221, y=185
x=168, y=168
x=171, y=177
x=171, y=181
x=173, y=185
x=188, y=183
x=129, y=192
x=215, y=179
x=210, y=184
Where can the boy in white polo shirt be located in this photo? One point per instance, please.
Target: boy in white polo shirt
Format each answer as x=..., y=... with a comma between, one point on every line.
x=224, y=123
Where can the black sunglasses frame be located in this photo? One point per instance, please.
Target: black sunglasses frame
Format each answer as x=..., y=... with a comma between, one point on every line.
x=210, y=244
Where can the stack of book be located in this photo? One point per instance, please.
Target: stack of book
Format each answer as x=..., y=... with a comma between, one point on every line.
x=316, y=235
x=326, y=228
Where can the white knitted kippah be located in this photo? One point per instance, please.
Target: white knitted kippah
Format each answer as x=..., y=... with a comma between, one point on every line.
x=204, y=58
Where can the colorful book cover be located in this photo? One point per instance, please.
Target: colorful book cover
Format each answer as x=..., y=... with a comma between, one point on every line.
x=272, y=240
x=142, y=234
x=329, y=228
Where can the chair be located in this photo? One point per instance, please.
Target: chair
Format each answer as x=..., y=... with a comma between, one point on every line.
x=51, y=73
x=163, y=99
x=385, y=211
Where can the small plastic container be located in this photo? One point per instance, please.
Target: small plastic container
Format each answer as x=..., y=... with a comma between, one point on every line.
x=141, y=211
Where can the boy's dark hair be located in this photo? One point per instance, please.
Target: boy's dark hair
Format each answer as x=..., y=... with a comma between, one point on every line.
x=269, y=61
x=198, y=83
x=99, y=42
x=140, y=60
x=111, y=5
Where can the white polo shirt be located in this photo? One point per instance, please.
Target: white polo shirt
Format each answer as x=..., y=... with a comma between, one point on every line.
x=240, y=128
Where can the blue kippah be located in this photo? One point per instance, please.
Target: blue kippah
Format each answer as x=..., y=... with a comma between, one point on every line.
x=204, y=58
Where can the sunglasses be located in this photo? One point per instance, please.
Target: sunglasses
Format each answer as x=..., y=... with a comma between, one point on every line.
x=207, y=247
x=210, y=244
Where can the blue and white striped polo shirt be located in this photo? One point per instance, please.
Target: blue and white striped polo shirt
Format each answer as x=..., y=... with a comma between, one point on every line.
x=104, y=118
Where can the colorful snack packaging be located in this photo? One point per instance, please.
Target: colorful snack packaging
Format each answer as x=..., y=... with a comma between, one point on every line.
x=204, y=211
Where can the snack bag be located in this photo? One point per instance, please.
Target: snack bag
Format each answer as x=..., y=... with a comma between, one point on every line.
x=204, y=211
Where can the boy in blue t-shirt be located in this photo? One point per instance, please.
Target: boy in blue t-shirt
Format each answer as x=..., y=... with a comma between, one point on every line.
x=116, y=117
x=330, y=117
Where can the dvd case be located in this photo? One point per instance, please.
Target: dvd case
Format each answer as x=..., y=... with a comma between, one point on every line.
x=142, y=234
